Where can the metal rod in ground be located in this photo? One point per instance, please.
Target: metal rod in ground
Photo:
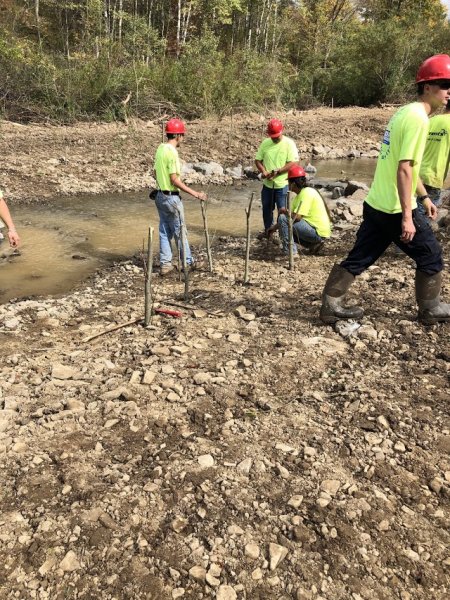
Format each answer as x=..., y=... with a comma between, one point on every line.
x=205, y=227
x=183, y=257
x=148, y=279
x=291, y=233
x=248, y=211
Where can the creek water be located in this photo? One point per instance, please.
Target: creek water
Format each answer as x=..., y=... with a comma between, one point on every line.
x=65, y=241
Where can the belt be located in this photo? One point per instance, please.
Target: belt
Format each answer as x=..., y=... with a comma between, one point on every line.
x=169, y=193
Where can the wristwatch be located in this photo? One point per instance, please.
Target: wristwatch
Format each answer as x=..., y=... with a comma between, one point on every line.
x=422, y=198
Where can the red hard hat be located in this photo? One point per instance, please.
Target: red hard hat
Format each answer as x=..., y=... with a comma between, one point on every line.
x=274, y=128
x=435, y=67
x=175, y=126
x=296, y=171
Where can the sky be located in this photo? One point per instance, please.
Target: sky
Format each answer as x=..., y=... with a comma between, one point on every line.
x=446, y=3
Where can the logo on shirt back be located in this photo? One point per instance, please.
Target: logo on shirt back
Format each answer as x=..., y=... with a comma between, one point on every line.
x=387, y=137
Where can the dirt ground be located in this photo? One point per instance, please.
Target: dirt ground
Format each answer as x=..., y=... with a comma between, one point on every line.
x=242, y=451
x=40, y=162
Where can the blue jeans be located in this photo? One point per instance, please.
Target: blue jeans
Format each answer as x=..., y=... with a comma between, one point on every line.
x=269, y=199
x=435, y=197
x=303, y=233
x=171, y=219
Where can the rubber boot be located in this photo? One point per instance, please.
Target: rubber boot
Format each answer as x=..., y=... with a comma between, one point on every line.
x=428, y=296
x=337, y=285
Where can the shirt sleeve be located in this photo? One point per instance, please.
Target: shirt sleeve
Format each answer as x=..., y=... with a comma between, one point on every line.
x=172, y=164
x=260, y=153
x=413, y=140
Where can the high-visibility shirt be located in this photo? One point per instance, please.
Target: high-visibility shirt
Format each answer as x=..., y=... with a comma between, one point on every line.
x=275, y=156
x=167, y=163
x=404, y=139
x=434, y=168
x=309, y=204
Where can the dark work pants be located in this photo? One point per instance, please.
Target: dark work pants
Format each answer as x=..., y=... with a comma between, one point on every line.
x=378, y=230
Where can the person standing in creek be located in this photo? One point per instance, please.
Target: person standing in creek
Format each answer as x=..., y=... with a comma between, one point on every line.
x=168, y=201
x=276, y=155
x=5, y=216
x=390, y=209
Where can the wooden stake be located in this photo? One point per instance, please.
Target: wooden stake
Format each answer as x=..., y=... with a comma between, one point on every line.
x=205, y=228
x=148, y=279
x=290, y=232
x=248, y=211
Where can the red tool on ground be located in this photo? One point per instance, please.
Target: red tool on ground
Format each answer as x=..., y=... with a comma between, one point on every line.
x=176, y=314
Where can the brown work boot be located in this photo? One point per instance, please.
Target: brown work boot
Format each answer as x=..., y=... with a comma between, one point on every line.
x=166, y=268
x=333, y=296
x=316, y=248
x=428, y=296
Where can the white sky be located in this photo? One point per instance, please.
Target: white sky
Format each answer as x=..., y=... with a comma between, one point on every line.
x=446, y=3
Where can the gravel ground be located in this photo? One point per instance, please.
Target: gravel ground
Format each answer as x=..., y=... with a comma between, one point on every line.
x=243, y=450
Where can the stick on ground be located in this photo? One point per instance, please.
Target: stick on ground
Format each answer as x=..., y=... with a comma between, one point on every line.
x=182, y=249
x=291, y=233
x=148, y=278
x=248, y=211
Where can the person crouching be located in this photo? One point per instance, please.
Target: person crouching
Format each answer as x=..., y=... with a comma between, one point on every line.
x=311, y=220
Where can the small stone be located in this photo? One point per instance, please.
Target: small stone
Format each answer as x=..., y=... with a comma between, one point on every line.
x=70, y=562
x=282, y=471
x=245, y=465
x=63, y=372
x=205, y=461
x=197, y=573
x=149, y=377
x=226, y=592
x=76, y=405
x=323, y=502
x=309, y=451
x=178, y=524
x=383, y=525
x=295, y=501
x=252, y=551
x=257, y=574
x=178, y=593
x=211, y=580
x=400, y=447
x=135, y=377
x=201, y=378
x=436, y=485
x=235, y=530
x=330, y=486
x=47, y=566
x=284, y=448
x=383, y=422
x=234, y=338
x=277, y=553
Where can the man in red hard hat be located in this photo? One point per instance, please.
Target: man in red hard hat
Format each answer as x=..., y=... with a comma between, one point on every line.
x=310, y=215
x=390, y=209
x=276, y=154
x=168, y=202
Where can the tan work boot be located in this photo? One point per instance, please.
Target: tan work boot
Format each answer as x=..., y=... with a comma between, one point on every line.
x=337, y=285
x=166, y=269
x=428, y=296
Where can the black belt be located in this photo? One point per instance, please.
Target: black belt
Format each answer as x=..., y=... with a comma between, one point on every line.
x=169, y=193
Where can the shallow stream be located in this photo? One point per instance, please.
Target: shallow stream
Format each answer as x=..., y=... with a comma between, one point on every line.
x=67, y=240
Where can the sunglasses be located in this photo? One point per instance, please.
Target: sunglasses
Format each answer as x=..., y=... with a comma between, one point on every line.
x=443, y=84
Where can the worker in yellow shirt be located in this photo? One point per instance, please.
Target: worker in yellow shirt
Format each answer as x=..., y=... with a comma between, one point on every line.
x=276, y=155
x=310, y=215
x=168, y=201
x=390, y=209
x=435, y=163
x=5, y=216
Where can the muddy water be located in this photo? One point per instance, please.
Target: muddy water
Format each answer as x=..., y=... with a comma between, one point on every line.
x=66, y=241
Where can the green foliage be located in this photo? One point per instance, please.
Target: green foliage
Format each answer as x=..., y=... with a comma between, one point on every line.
x=83, y=59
